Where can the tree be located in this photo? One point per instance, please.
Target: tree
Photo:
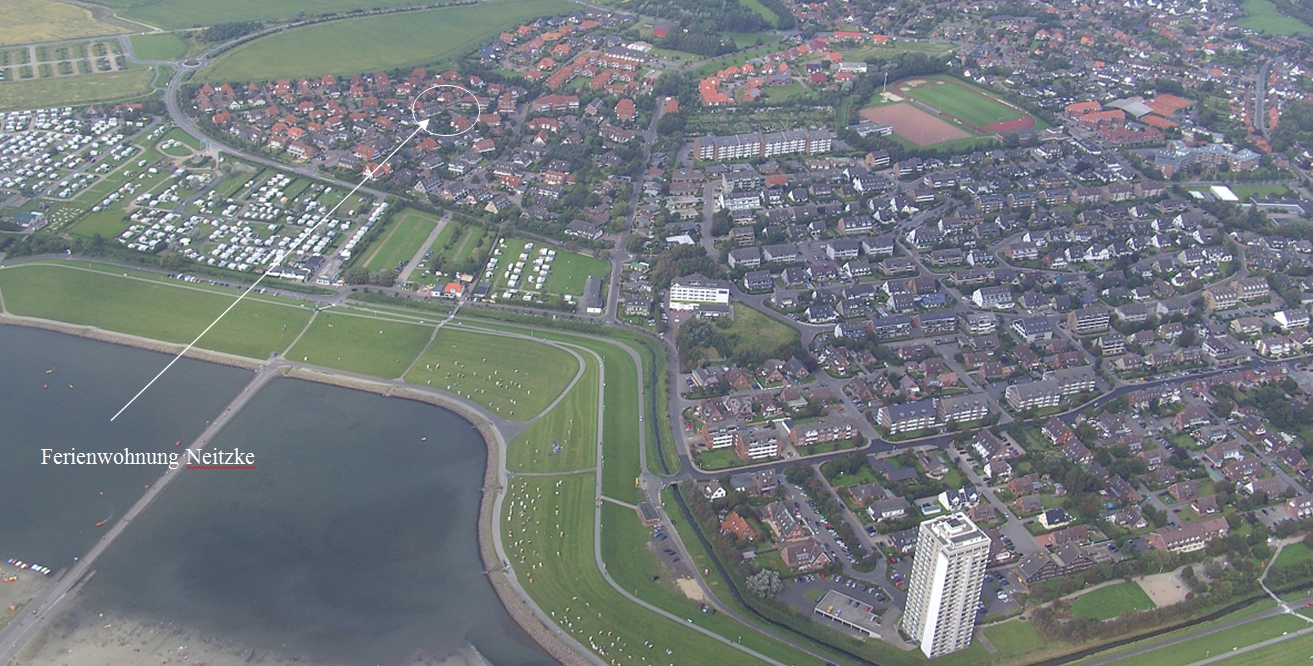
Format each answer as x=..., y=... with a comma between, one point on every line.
x=765, y=583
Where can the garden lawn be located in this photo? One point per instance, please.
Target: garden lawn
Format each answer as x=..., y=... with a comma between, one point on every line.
x=1211, y=645
x=376, y=43
x=375, y=347
x=1293, y=554
x=407, y=235
x=570, y=270
x=1111, y=601
x=151, y=308
x=548, y=533
x=531, y=374
x=572, y=425
x=960, y=101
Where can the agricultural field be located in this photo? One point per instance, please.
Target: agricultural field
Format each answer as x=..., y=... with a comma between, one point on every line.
x=369, y=346
x=175, y=14
x=410, y=229
x=149, y=306
x=1111, y=601
x=403, y=40
x=31, y=21
x=162, y=46
x=502, y=373
x=1264, y=17
x=73, y=91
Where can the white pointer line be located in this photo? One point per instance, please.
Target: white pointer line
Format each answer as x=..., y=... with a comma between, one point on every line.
x=423, y=124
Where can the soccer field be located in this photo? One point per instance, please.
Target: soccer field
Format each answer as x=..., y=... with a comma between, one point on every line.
x=376, y=43
x=1109, y=602
x=967, y=105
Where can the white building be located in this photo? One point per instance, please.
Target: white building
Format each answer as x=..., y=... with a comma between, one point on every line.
x=947, y=575
x=696, y=291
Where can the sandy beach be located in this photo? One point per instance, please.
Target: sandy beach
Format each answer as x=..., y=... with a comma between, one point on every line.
x=16, y=593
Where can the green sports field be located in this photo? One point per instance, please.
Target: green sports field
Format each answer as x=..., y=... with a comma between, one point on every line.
x=151, y=307
x=403, y=240
x=502, y=373
x=370, y=44
x=1111, y=601
x=963, y=101
x=368, y=346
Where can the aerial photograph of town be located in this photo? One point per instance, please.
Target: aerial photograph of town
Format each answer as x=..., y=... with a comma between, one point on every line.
x=656, y=332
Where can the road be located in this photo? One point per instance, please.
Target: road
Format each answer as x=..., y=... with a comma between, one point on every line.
x=47, y=603
x=619, y=255
x=1260, y=98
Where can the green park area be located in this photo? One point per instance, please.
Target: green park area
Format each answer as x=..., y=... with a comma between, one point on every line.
x=1298, y=650
x=750, y=337
x=1110, y=601
x=407, y=234
x=1292, y=554
x=390, y=41
x=505, y=374
x=564, y=439
x=369, y=346
x=963, y=101
x=1212, y=645
x=1264, y=16
x=175, y=14
x=150, y=307
x=160, y=46
x=548, y=533
x=108, y=87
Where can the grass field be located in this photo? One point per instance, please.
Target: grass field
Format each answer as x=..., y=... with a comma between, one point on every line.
x=1210, y=645
x=1111, y=601
x=963, y=102
x=73, y=91
x=150, y=307
x=408, y=233
x=1293, y=651
x=504, y=374
x=359, y=344
x=29, y=21
x=756, y=6
x=572, y=425
x=1293, y=554
x=1263, y=16
x=570, y=271
x=163, y=46
x=377, y=43
x=1246, y=191
x=172, y=14
x=548, y=532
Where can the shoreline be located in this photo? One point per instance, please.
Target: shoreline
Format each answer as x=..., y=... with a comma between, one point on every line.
x=516, y=606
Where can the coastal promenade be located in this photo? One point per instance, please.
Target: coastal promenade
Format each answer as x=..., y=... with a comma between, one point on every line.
x=46, y=604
